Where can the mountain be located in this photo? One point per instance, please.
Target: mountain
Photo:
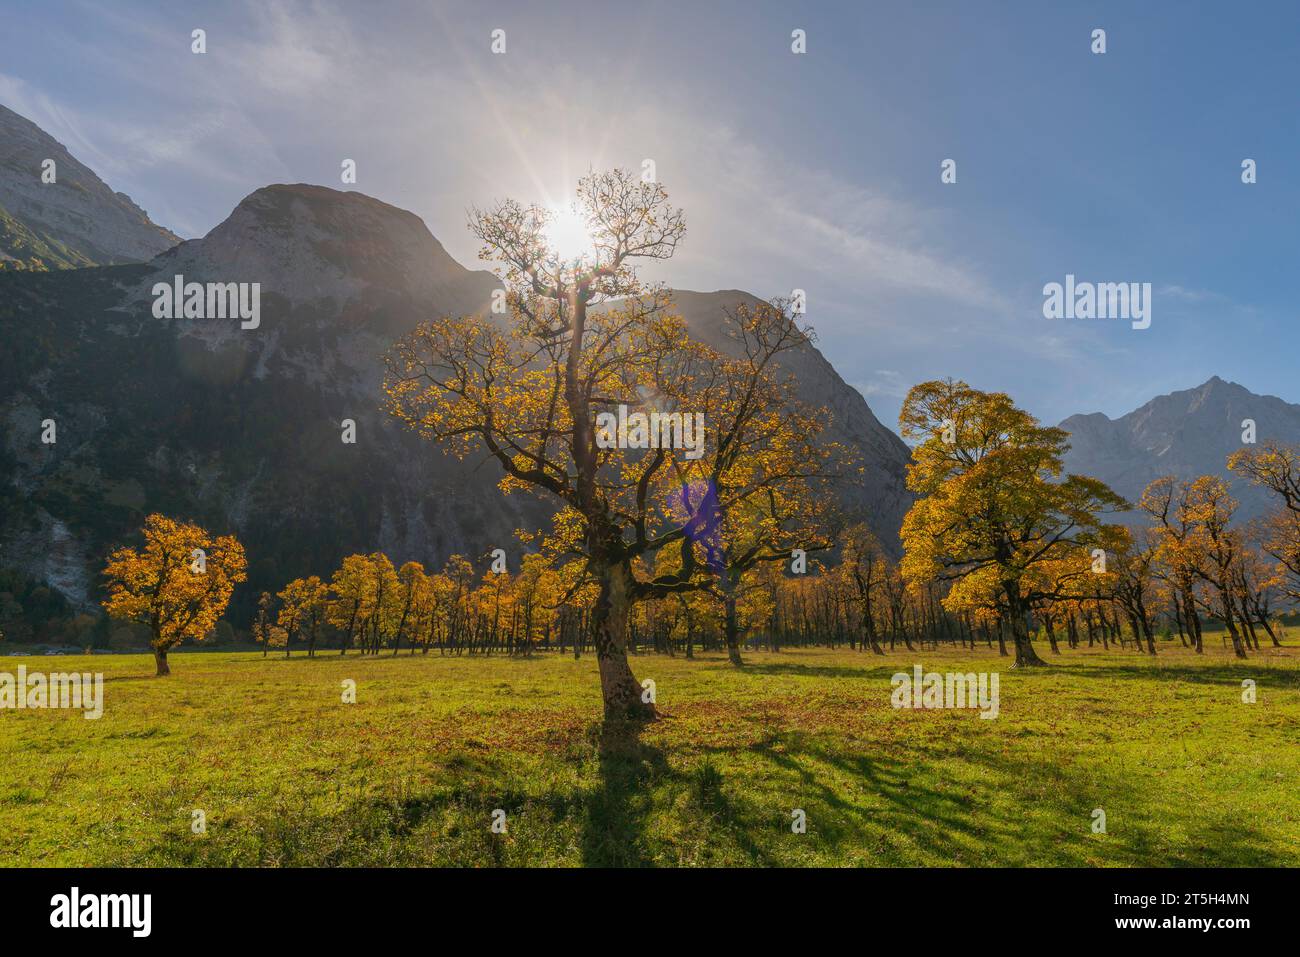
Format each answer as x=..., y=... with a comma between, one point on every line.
x=240, y=429
x=73, y=222
x=1185, y=434
x=880, y=494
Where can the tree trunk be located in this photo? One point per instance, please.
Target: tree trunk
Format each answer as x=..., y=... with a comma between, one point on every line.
x=160, y=659
x=1238, y=648
x=1193, y=622
x=1269, y=628
x=619, y=688
x=1248, y=626
x=1026, y=656
x=869, y=628
x=732, y=631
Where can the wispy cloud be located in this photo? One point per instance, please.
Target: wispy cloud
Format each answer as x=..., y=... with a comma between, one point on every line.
x=765, y=207
x=1189, y=295
x=884, y=382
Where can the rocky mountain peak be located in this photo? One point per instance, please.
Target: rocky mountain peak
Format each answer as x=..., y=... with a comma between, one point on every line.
x=1186, y=433
x=74, y=221
x=306, y=243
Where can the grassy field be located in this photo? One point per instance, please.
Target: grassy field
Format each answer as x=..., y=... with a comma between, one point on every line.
x=287, y=774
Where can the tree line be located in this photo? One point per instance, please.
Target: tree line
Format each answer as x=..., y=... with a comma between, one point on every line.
x=1190, y=563
x=659, y=548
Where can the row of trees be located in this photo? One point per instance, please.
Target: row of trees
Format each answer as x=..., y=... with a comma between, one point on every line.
x=1006, y=536
x=659, y=545
x=865, y=601
x=371, y=605
x=1078, y=578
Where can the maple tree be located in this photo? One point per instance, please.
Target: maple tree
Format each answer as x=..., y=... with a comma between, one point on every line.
x=1277, y=468
x=992, y=504
x=1201, y=549
x=349, y=594
x=1177, y=551
x=264, y=624
x=864, y=565
x=529, y=398
x=303, y=606
x=586, y=337
x=1133, y=580
x=1217, y=548
x=763, y=488
x=178, y=585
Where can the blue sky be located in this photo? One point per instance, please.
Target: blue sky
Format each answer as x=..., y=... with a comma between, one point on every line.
x=817, y=171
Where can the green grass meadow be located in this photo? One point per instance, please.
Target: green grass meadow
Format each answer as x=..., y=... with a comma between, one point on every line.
x=287, y=774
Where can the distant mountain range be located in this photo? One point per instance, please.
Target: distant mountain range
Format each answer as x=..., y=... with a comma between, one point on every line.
x=240, y=428
x=1184, y=434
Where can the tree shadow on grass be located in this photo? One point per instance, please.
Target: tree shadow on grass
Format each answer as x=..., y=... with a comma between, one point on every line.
x=609, y=819
x=399, y=824
x=968, y=825
x=1226, y=674
x=821, y=671
x=914, y=813
x=613, y=832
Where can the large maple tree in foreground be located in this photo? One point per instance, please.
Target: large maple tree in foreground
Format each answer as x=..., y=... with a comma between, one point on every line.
x=529, y=396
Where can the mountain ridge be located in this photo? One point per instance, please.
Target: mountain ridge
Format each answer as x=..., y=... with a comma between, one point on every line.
x=1184, y=433
x=74, y=221
x=240, y=429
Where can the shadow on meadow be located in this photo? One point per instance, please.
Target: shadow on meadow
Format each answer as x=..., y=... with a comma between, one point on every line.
x=616, y=812
x=824, y=671
x=393, y=824
x=1230, y=675
x=895, y=814
x=607, y=820
x=959, y=825
x=628, y=795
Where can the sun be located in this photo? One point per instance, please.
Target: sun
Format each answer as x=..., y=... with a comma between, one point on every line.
x=567, y=235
